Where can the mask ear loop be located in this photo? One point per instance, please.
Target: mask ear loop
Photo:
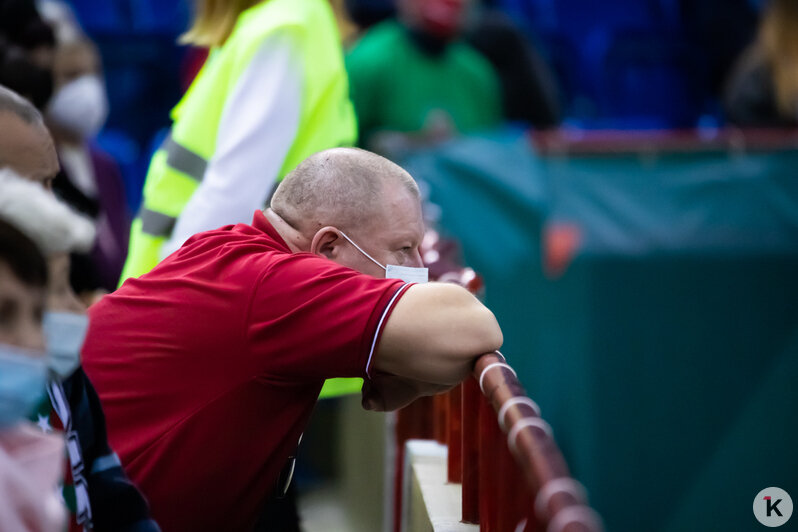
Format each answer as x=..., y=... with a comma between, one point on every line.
x=372, y=259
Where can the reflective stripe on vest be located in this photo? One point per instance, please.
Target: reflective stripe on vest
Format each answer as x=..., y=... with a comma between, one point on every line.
x=156, y=223
x=184, y=160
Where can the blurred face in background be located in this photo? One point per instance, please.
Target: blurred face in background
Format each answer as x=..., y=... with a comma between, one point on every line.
x=79, y=105
x=27, y=149
x=440, y=18
x=21, y=310
x=73, y=60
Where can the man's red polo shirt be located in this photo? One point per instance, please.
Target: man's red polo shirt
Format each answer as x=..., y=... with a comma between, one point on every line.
x=208, y=367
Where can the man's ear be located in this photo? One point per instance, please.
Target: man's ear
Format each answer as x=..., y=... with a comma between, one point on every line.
x=326, y=242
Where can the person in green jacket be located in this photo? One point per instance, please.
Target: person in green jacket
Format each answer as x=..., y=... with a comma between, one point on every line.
x=413, y=82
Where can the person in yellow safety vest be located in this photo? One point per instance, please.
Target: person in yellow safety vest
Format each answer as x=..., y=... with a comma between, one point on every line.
x=272, y=92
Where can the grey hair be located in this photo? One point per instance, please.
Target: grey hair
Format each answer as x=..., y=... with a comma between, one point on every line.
x=343, y=187
x=53, y=226
x=12, y=102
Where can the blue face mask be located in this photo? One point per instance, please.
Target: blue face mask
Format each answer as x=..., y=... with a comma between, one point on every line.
x=23, y=381
x=64, y=333
x=408, y=274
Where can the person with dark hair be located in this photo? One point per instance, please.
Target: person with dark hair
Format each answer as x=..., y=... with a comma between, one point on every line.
x=27, y=44
x=30, y=462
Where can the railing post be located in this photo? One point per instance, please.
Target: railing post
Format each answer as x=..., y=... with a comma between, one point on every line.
x=454, y=469
x=440, y=414
x=413, y=421
x=471, y=397
x=514, y=497
x=489, y=441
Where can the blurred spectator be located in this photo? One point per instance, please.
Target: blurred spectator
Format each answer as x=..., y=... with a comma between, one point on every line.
x=98, y=494
x=27, y=45
x=273, y=92
x=763, y=90
x=92, y=181
x=25, y=144
x=21, y=26
x=414, y=83
x=529, y=90
x=30, y=462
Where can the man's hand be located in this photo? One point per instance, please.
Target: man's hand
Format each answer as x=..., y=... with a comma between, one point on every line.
x=385, y=392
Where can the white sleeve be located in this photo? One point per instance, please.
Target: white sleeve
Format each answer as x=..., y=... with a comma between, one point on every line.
x=257, y=128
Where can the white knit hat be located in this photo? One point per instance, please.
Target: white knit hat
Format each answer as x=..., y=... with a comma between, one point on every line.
x=50, y=223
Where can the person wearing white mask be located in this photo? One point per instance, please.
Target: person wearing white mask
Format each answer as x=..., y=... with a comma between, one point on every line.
x=31, y=463
x=93, y=184
x=99, y=495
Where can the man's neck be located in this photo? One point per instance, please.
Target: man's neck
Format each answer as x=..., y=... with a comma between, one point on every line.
x=295, y=240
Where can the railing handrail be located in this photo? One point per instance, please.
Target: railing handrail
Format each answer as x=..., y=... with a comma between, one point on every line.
x=577, y=143
x=560, y=501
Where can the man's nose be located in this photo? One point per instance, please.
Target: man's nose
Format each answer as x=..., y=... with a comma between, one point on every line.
x=415, y=259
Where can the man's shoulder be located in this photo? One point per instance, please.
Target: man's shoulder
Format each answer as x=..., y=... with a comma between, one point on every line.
x=225, y=258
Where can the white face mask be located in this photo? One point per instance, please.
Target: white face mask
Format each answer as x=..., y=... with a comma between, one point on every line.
x=407, y=274
x=64, y=333
x=80, y=106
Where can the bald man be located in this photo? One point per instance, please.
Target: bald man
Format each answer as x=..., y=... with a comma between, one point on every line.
x=208, y=367
x=25, y=144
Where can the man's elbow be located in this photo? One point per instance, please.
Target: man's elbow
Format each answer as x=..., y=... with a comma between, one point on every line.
x=492, y=334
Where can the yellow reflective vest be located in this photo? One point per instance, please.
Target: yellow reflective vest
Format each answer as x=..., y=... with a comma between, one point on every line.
x=326, y=120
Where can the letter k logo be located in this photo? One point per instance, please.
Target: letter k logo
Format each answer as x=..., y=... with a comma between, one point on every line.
x=772, y=506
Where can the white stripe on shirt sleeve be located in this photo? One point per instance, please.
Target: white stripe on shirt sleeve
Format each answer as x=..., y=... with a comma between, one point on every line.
x=381, y=324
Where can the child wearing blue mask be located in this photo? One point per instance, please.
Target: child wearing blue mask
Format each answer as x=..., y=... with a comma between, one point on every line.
x=97, y=492
x=31, y=463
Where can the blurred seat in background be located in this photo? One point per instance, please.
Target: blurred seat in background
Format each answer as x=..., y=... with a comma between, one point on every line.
x=651, y=82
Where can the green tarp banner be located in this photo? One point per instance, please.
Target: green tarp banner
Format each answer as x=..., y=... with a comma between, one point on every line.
x=664, y=347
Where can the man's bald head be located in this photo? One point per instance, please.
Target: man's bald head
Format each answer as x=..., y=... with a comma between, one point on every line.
x=341, y=187
x=25, y=144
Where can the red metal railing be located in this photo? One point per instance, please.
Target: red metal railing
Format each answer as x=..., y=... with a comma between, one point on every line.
x=577, y=142
x=513, y=476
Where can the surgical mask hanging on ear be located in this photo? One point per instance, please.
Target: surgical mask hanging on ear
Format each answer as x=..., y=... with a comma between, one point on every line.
x=407, y=274
x=64, y=333
x=80, y=106
x=23, y=380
